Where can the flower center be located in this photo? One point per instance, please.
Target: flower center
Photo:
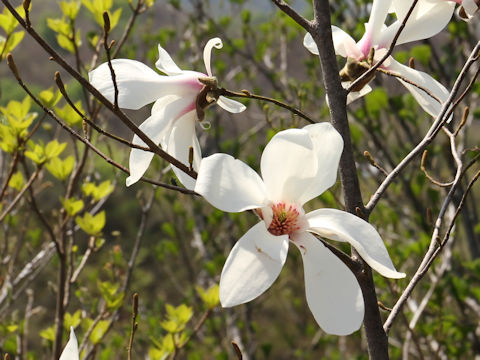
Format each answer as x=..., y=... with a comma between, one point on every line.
x=285, y=220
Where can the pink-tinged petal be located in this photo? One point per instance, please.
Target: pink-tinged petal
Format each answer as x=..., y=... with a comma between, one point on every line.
x=180, y=140
x=157, y=127
x=344, y=44
x=310, y=45
x=70, y=352
x=250, y=270
x=333, y=293
x=229, y=184
x=431, y=105
x=428, y=18
x=375, y=25
x=289, y=165
x=138, y=85
x=328, y=147
x=207, y=52
x=165, y=63
x=342, y=226
x=230, y=105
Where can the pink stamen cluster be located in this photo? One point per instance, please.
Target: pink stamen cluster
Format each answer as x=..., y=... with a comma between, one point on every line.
x=285, y=220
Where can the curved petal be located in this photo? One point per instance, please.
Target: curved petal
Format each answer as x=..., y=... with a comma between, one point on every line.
x=249, y=270
x=180, y=140
x=431, y=105
x=229, y=184
x=70, y=352
x=207, y=52
x=328, y=147
x=310, y=44
x=138, y=85
x=344, y=44
x=428, y=18
x=469, y=7
x=156, y=127
x=375, y=25
x=289, y=165
x=342, y=226
x=354, y=95
x=333, y=293
x=165, y=63
x=230, y=105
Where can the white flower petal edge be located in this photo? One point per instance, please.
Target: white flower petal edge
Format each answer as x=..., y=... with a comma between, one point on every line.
x=156, y=127
x=311, y=46
x=329, y=143
x=230, y=105
x=166, y=64
x=229, y=184
x=70, y=352
x=332, y=291
x=429, y=104
x=342, y=226
x=207, y=52
x=249, y=270
x=289, y=165
x=181, y=138
x=139, y=85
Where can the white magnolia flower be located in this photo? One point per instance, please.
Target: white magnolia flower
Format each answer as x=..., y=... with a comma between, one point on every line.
x=428, y=18
x=180, y=100
x=297, y=165
x=70, y=352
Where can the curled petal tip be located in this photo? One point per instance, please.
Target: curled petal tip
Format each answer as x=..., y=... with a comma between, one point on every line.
x=207, y=52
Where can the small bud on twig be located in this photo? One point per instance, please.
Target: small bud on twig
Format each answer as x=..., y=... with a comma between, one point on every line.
x=190, y=158
x=106, y=22
x=59, y=82
x=12, y=66
x=26, y=5
x=237, y=350
x=411, y=63
x=424, y=158
x=466, y=111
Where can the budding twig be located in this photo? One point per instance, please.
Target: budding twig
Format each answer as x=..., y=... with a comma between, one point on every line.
x=134, y=325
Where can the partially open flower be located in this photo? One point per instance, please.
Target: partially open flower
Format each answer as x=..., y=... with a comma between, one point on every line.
x=180, y=97
x=427, y=19
x=297, y=165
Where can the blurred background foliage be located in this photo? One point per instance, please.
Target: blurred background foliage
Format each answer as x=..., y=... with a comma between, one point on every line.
x=170, y=247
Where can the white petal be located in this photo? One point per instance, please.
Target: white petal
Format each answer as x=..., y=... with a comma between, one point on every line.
x=70, y=352
x=328, y=147
x=138, y=85
x=342, y=226
x=428, y=103
x=470, y=7
x=249, y=270
x=289, y=165
x=428, y=18
x=309, y=43
x=156, y=127
x=354, y=95
x=229, y=184
x=165, y=63
x=181, y=139
x=376, y=21
x=333, y=293
x=230, y=105
x=207, y=52
x=344, y=44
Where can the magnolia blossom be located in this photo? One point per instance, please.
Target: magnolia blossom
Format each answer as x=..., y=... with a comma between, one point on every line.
x=427, y=19
x=297, y=165
x=180, y=99
x=71, y=349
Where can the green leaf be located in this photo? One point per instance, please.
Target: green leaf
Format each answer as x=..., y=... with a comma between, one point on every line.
x=99, y=331
x=36, y=153
x=177, y=318
x=17, y=181
x=72, y=206
x=9, y=43
x=110, y=294
x=70, y=8
x=48, y=333
x=69, y=115
x=50, y=98
x=210, y=296
x=7, y=21
x=72, y=320
x=61, y=168
x=92, y=225
x=98, y=192
x=54, y=148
